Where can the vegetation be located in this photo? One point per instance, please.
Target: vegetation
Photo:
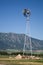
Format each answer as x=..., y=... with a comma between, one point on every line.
x=6, y=53
x=9, y=59
x=12, y=61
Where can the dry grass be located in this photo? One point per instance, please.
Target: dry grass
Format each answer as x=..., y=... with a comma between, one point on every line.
x=13, y=61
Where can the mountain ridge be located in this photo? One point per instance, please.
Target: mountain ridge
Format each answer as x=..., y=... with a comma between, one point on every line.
x=16, y=41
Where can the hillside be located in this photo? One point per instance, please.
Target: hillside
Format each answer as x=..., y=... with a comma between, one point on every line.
x=16, y=41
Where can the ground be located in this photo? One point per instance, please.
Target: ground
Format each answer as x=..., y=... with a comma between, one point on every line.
x=12, y=61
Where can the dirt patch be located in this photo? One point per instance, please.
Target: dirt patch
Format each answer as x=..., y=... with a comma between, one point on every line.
x=18, y=56
x=26, y=57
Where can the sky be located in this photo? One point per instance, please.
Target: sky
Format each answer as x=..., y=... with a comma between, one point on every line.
x=13, y=20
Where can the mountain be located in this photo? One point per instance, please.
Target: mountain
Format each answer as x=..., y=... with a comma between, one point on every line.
x=16, y=41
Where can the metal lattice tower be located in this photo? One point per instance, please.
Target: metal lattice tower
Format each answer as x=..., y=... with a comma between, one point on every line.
x=26, y=13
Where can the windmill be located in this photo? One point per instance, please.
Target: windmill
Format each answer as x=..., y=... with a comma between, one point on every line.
x=26, y=13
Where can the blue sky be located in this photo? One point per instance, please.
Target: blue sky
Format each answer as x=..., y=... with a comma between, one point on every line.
x=12, y=19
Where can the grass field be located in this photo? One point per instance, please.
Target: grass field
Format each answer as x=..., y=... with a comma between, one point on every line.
x=5, y=60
